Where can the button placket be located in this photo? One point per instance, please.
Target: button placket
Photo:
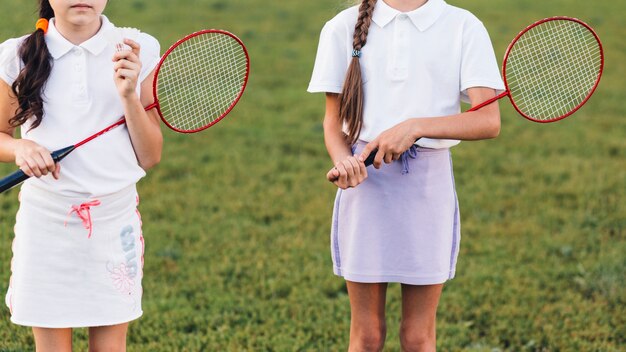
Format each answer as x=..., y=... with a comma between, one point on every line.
x=79, y=81
x=400, y=59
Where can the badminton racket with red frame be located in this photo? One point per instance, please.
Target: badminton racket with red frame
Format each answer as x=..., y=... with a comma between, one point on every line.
x=196, y=84
x=550, y=70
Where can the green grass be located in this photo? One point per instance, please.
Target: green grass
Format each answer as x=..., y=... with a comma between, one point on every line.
x=236, y=219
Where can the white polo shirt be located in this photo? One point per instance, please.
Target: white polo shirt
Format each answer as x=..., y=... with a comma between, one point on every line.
x=81, y=99
x=414, y=64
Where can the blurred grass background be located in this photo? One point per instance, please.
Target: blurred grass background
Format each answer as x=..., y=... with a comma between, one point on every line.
x=236, y=219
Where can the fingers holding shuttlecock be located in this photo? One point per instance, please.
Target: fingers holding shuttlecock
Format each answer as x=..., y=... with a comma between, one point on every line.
x=116, y=37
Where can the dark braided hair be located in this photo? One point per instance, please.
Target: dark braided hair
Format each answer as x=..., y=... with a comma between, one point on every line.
x=30, y=83
x=351, y=98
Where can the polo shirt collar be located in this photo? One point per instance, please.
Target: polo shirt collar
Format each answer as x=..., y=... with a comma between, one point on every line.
x=422, y=17
x=59, y=46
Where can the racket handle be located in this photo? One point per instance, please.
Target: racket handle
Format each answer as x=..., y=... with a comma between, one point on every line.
x=12, y=180
x=370, y=158
x=19, y=176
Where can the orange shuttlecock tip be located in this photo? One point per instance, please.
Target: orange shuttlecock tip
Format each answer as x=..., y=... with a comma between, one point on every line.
x=42, y=24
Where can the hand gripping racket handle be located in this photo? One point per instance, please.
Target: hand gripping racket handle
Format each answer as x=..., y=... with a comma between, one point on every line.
x=370, y=159
x=19, y=176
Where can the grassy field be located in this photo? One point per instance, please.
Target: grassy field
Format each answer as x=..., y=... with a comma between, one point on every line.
x=236, y=219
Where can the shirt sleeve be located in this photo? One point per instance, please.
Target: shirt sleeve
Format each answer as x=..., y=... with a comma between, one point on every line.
x=10, y=64
x=478, y=62
x=150, y=55
x=331, y=62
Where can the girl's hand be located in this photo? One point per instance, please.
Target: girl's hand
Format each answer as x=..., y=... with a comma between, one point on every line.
x=34, y=159
x=347, y=173
x=127, y=68
x=392, y=142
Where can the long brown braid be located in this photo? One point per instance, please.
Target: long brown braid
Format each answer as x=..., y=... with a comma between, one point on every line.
x=30, y=83
x=351, y=98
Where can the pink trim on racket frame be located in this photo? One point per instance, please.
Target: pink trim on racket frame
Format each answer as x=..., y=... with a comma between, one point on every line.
x=174, y=46
x=508, y=50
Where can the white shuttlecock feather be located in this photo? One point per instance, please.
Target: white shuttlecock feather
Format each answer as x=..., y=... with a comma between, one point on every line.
x=116, y=37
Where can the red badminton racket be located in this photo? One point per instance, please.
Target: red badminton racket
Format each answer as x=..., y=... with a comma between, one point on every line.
x=550, y=70
x=196, y=84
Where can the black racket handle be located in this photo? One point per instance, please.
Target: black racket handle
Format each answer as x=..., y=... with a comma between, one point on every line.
x=19, y=176
x=370, y=159
x=12, y=180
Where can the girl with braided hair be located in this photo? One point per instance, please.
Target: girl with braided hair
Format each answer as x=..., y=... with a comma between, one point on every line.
x=78, y=246
x=394, y=73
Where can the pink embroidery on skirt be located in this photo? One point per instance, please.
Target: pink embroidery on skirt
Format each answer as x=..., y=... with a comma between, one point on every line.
x=84, y=213
x=122, y=278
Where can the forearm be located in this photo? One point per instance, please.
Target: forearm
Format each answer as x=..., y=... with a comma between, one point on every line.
x=7, y=148
x=145, y=132
x=483, y=123
x=143, y=127
x=474, y=125
x=336, y=145
x=348, y=170
x=334, y=138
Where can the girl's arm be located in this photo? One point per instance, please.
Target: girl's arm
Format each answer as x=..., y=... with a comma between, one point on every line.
x=29, y=156
x=481, y=124
x=143, y=126
x=349, y=171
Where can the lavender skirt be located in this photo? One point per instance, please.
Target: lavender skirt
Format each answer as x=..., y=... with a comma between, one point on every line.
x=401, y=224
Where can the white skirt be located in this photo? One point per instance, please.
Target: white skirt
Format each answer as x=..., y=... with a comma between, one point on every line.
x=76, y=262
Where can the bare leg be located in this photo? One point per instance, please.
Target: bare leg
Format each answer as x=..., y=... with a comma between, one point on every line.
x=53, y=340
x=419, y=314
x=108, y=338
x=367, y=325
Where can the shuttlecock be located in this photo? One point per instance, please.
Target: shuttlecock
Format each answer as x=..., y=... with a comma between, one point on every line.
x=116, y=37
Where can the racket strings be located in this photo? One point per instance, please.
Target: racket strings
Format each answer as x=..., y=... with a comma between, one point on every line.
x=562, y=78
x=201, y=80
x=559, y=76
x=553, y=68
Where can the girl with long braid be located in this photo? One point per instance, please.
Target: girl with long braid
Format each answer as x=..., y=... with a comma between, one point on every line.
x=394, y=73
x=78, y=247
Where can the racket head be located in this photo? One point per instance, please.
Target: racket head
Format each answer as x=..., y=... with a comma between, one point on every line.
x=200, y=79
x=552, y=68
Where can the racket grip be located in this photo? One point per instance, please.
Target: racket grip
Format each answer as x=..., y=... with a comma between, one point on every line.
x=19, y=176
x=370, y=158
x=12, y=180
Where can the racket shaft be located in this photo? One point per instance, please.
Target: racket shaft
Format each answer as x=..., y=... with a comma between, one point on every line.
x=19, y=176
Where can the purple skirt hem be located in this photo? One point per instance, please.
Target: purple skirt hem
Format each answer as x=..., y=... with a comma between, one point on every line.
x=389, y=278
